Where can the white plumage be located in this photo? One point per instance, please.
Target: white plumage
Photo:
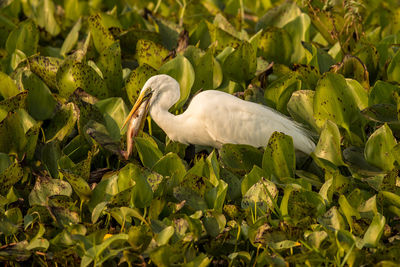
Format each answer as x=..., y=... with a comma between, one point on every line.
x=214, y=118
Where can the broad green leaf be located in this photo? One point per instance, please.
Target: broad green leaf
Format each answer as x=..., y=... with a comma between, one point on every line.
x=46, y=68
x=136, y=80
x=379, y=147
x=333, y=101
x=214, y=223
x=24, y=38
x=71, y=38
x=39, y=102
x=181, y=70
x=10, y=176
x=381, y=113
x=103, y=192
x=359, y=94
x=240, y=157
x=79, y=185
x=62, y=123
x=328, y=146
x=348, y=211
x=253, y=177
x=208, y=71
x=275, y=45
x=240, y=65
x=148, y=151
x=382, y=93
x=171, y=165
x=139, y=237
x=150, y=53
x=45, y=17
x=114, y=112
x=257, y=196
x=93, y=253
x=301, y=106
x=50, y=155
x=374, y=231
x=279, y=16
x=392, y=198
x=298, y=30
x=278, y=93
x=164, y=236
x=222, y=38
x=130, y=38
x=352, y=67
x=12, y=134
x=394, y=68
x=332, y=219
x=73, y=74
x=279, y=157
x=46, y=187
x=8, y=87
x=215, y=198
x=102, y=38
x=4, y=162
x=109, y=62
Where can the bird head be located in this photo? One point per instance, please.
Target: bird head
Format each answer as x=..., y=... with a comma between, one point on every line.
x=160, y=90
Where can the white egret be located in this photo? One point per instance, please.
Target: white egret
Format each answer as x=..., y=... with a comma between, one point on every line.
x=213, y=118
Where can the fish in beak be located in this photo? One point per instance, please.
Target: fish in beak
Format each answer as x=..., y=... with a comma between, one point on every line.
x=136, y=120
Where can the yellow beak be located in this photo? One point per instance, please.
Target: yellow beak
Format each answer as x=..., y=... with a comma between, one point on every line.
x=146, y=94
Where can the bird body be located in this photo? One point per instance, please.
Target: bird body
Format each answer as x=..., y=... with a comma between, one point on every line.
x=214, y=118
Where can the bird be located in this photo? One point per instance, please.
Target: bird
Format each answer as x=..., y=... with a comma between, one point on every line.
x=213, y=118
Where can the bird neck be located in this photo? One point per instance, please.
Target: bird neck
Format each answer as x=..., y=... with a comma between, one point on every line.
x=168, y=122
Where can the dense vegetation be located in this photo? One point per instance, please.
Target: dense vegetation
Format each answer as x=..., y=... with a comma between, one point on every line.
x=71, y=70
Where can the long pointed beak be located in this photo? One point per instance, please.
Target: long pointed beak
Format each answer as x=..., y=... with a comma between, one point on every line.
x=142, y=97
x=136, y=120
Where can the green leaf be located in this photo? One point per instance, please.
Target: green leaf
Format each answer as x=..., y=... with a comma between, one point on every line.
x=79, y=185
x=148, y=151
x=334, y=101
x=279, y=91
x=62, y=123
x=240, y=157
x=10, y=176
x=71, y=38
x=382, y=93
x=279, y=157
x=46, y=68
x=109, y=62
x=46, y=187
x=279, y=16
x=114, y=112
x=298, y=30
x=257, y=196
x=328, y=146
x=45, y=17
x=150, y=53
x=381, y=113
x=39, y=102
x=374, y=231
x=102, y=38
x=136, y=80
x=301, y=108
x=275, y=45
x=241, y=64
x=171, y=165
x=73, y=74
x=378, y=149
x=12, y=134
x=181, y=70
x=24, y=38
x=208, y=71
x=8, y=87
x=393, y=69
